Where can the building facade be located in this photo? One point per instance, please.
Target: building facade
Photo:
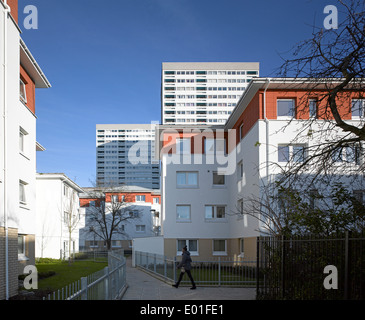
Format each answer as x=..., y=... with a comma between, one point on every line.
x=208, y=172
x=20, y=77
x=203, y=92
x=136, y=212
x=58, y=216
x=125, y=155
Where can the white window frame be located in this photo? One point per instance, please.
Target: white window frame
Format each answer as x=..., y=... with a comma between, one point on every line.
x=178, y=219
x=187, y=243
x=140, y=228
x=291, y=110
x=139, y=197
x=22, y=91
x=219, y=253
x=187, y=185
x=214, y=210
x=22, y=193
x=310, y=106
x=291, y=154
x=23, y=141
x=218, y=185
x=361, y=111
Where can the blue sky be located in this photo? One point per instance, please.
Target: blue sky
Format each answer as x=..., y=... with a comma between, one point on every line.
x=103, y=59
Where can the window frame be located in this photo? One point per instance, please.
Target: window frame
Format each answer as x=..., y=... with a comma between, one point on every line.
x=361, y=111
x=186, y=185
x=22, y=91
x=214, y=210
x=216, y=252
x=178, y=218
x=187, y=243
x=291, y=112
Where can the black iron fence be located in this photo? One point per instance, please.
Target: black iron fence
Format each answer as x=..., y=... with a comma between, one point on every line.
x=311, y=268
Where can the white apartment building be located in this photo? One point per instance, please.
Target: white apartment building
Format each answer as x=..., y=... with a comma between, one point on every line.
x=58, y=216
x=207, y=172
x=141, y=215
x=20, y=76
x=203, y=92
x=125, y=155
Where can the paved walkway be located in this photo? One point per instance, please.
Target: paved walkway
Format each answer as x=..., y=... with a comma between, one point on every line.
x=143, y=286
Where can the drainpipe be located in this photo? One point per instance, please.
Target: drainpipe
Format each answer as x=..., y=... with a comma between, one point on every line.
x=5, y=61
x=267, y=130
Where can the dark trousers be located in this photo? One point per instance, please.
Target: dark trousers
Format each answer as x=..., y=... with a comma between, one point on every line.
x=189, y=275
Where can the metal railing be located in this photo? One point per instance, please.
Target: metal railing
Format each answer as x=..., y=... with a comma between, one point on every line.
x=293, y=268
x=222, y=271
x=106, y=284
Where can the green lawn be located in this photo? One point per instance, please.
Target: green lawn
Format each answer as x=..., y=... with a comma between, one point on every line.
x=65, y=274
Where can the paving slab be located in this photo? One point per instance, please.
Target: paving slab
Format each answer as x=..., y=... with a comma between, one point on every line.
x=144, y=286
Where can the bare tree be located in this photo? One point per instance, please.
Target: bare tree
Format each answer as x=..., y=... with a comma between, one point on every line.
x=111, y=208
x=331, y=67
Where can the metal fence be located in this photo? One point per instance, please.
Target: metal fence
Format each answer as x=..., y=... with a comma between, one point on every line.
x=222, y=271
x=295, y=268
x=106, y=284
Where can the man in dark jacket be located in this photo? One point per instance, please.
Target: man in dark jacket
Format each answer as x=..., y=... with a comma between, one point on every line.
x=185, y=266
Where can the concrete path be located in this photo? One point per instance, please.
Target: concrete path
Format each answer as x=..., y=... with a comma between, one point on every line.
x=143, y=286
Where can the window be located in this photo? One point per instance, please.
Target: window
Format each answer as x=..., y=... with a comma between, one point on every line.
x=156, y=200
x=218, y=179
x=116, y=243
x=22, y=139
x=183, y=212
x=313, y=199
x=140, y=228
x=140, y=198
x=242, y=247
x=240, y=170
x=192, y=246
x=183, y=146
x=219, y=247
x=285, y=108
x=357, y=108
x=21, y=245
x=215, y=212
x=241, y=132
x=93, y=243
x=209, y=146
x=187, y=179
x=295, y=153
x=22, y=91
x=22, y=192
x=349, y=154
x=313, y=108
x=114, y=198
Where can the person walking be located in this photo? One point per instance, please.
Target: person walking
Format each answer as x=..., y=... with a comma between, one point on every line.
x=185, y=266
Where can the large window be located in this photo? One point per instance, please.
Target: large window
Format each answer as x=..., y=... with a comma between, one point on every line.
x=183, y=213
x=219, y=247
x=218, y=179
x=22, y=192
x=286, y=108
x=191, y=244
x=22, y=91
x=183, y=146
x=22, y=140
x=215, y=212
x=295, y=153
x=357, y=108
x=140, y=198
x=187, y=179
x=313, y=111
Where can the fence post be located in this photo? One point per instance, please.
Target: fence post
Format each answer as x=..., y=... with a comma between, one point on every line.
x=106, y=283
x=154, y=263
x=282, y=267
x=84, y=288
x=165, y=266
x=257, y=265
x=346, y=265
x=174, y=269
x=219, y=271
